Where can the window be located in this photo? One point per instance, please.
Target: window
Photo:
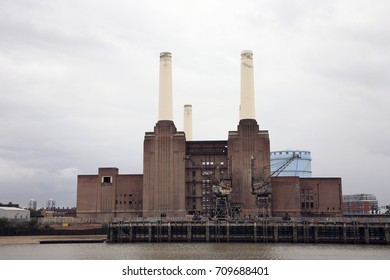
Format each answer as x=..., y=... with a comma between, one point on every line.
x=107, y=179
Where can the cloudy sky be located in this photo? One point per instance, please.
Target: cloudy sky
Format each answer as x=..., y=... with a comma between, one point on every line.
x=79, y=85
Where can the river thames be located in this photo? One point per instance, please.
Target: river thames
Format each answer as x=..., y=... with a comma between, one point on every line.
x=193, y=251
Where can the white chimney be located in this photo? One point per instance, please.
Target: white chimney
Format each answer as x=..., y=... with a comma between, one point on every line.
x=247, y=106
x=165, y=94
x=188, y=122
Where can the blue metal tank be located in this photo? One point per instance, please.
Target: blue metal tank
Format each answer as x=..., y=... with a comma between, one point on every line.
x=300, y=166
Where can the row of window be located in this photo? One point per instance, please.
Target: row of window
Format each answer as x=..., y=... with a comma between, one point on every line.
x=211, y=163
x=124, y=202
x=308, y=197
x=205, y=173
x=307, y=205
x=124, y=195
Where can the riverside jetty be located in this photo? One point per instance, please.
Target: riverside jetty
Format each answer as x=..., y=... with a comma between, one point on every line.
x=347, y=231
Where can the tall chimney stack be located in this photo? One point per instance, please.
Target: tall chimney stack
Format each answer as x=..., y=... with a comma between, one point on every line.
x=165, y=89
x=247, y=107
x=188, y=122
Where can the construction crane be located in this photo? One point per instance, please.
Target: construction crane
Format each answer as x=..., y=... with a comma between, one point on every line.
x=222, y=191
x=261, y=185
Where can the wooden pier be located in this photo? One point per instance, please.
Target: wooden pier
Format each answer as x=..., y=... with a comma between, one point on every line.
x=250, y=231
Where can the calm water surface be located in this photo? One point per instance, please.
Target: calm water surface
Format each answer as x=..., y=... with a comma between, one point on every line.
x=195, y=251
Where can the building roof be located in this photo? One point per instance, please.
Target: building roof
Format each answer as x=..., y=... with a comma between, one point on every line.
x=12, y=208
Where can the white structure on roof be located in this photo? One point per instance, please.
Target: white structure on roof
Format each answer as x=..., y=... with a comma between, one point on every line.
x=14, y=213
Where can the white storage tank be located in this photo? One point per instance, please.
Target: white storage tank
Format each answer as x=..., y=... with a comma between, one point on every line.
x=300, y=166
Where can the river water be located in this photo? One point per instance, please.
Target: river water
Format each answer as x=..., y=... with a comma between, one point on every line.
x=193, y=251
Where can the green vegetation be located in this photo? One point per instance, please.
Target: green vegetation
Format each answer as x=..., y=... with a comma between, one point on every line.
x=11, y=228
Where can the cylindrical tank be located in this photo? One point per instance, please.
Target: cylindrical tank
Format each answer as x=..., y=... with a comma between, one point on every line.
x=300, y=166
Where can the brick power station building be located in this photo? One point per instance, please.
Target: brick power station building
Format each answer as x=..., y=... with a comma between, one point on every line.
x=226, y=177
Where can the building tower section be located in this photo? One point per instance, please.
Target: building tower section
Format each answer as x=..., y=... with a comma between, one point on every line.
x=248, y=147
x=164, y=153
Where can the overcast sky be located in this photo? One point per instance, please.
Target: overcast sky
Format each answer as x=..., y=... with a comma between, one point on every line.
x=79, y=85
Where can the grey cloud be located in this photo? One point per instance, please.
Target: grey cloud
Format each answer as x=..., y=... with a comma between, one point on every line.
x=79, y=84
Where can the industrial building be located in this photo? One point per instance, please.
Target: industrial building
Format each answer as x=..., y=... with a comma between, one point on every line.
x=215, y=178
x=360, y=204
x=14, y=213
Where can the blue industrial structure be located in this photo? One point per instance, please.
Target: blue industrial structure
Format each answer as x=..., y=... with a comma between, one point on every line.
x=300, y=166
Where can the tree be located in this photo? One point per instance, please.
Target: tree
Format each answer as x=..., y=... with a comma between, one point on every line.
x=4, y=223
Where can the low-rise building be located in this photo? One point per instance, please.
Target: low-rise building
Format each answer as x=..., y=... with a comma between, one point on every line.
x=15, y=214
x=360, y=204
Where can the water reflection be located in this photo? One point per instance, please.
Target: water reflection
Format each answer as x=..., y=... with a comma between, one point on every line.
x=193, y=251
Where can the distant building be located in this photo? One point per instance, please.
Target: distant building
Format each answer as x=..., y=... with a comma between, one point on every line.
x=14, y=213
x=51, y=204
x=65, y=212
x=32, y=204
x=9, y=204
x=358, y=204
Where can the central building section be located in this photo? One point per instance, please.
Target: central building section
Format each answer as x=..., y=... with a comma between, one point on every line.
x=210, y=178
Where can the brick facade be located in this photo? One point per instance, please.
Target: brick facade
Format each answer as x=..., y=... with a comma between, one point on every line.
x=109, y=195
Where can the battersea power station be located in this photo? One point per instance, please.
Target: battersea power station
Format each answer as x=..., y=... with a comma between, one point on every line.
x=222, y=179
